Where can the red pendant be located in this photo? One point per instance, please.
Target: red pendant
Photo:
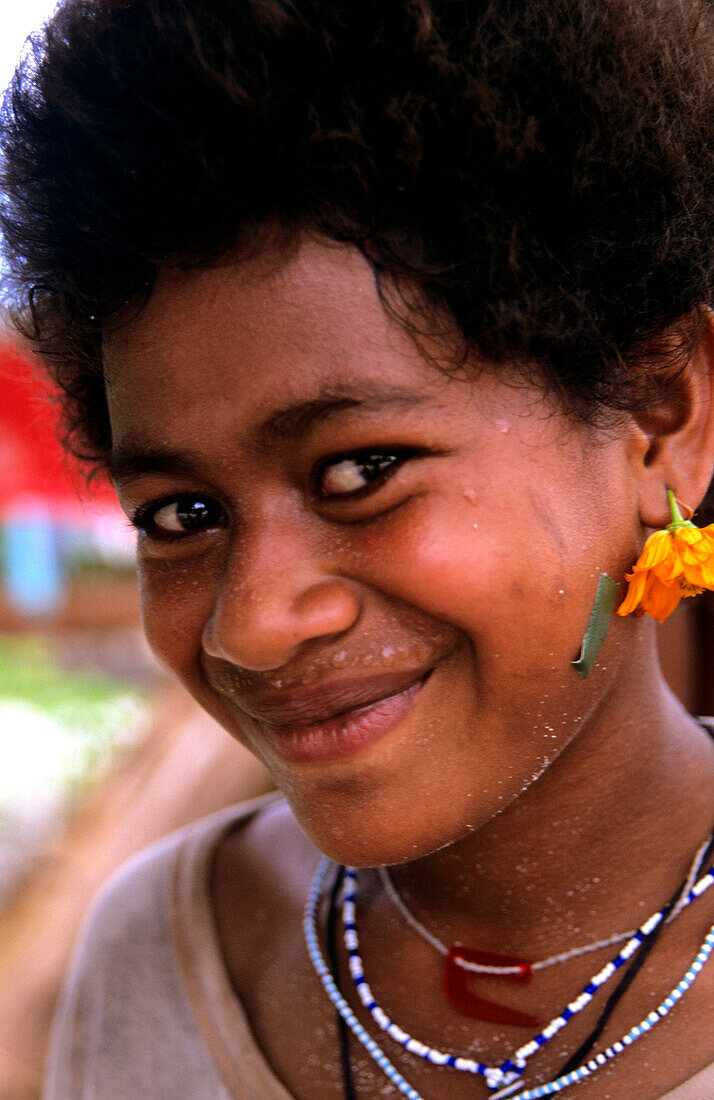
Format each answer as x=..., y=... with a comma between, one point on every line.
x=457, y=986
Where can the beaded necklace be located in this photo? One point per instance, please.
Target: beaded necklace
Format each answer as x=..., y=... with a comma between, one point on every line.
x=506, y=1076
x=461, y=961
x=483, y=968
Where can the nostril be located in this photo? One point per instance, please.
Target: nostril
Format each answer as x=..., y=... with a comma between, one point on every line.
x=262, y=630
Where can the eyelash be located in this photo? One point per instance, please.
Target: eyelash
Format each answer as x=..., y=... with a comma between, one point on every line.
x=144, y=519
x=384, y=464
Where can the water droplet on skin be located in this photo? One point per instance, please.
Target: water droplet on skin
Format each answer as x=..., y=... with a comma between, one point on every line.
x=503, y=426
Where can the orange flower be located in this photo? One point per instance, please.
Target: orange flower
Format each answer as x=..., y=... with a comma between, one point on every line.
x=675, y=562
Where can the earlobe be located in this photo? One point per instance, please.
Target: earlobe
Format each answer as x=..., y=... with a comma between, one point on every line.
x=673, y=441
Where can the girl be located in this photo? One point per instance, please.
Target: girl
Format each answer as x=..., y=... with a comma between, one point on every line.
x=391, y=320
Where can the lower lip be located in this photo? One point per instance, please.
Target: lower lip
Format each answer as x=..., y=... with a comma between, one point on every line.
x=345, y=734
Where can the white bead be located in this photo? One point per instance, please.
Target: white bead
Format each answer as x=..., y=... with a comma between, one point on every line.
x=651, y=924
x=629, y=949
x=493, y=1075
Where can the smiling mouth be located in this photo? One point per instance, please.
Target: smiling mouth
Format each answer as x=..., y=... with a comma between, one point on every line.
x=342, y=733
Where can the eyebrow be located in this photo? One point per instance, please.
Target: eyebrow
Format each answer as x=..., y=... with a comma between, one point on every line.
x=130, y=462
x=295, y=420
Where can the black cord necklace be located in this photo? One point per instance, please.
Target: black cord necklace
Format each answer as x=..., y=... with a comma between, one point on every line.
x=577, y=1058
x=342, y=1030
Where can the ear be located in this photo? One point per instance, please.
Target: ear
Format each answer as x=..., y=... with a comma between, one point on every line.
x=673, y=440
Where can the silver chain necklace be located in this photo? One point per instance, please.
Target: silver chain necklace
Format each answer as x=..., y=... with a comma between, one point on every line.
x=541, y=964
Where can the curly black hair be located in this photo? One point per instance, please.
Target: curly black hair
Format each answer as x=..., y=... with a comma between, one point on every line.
x=538, y=172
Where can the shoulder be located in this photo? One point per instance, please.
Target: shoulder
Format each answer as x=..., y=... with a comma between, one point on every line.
x=133, y=906
x=125, y=1003
x=260, y=877
x=268, y=856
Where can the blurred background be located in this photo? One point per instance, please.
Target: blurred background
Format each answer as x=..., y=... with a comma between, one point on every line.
x=100, y=752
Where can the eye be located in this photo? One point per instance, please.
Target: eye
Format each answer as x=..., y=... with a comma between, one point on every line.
x=186, y=514
x=357, y=473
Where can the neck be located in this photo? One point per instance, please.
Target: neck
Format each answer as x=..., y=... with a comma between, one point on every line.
x=601, y=839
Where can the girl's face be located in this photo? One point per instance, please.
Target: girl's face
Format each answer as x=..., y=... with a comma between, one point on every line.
x=373, y=574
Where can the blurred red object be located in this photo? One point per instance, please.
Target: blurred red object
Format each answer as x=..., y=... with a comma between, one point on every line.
x=33, y=464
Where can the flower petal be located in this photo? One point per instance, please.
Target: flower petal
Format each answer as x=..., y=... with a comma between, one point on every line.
x=691, y=543
x=675, y=562
x=707, y=574
x=657, y=549
x=660, y=600
x=670, y=568
x=635, y=592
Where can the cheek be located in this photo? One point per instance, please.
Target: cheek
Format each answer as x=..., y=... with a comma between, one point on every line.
x=175, y=604
x=485, y=579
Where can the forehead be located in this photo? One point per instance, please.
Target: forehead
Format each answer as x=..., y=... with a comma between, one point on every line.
x=268, y=331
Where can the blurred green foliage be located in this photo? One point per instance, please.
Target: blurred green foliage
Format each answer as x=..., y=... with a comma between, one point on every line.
x=92, y=717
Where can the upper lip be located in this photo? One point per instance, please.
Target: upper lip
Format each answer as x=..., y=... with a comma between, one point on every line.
x=310, y=704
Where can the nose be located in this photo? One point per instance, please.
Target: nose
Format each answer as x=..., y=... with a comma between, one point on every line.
x=274, y=598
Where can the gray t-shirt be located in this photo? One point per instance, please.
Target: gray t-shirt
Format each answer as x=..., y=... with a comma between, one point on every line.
x=149, y=1010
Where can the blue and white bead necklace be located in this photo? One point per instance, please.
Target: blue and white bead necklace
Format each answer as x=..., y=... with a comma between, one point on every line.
x=504, y=1077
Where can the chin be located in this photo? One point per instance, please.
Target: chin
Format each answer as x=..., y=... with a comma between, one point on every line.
x=372, y=837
